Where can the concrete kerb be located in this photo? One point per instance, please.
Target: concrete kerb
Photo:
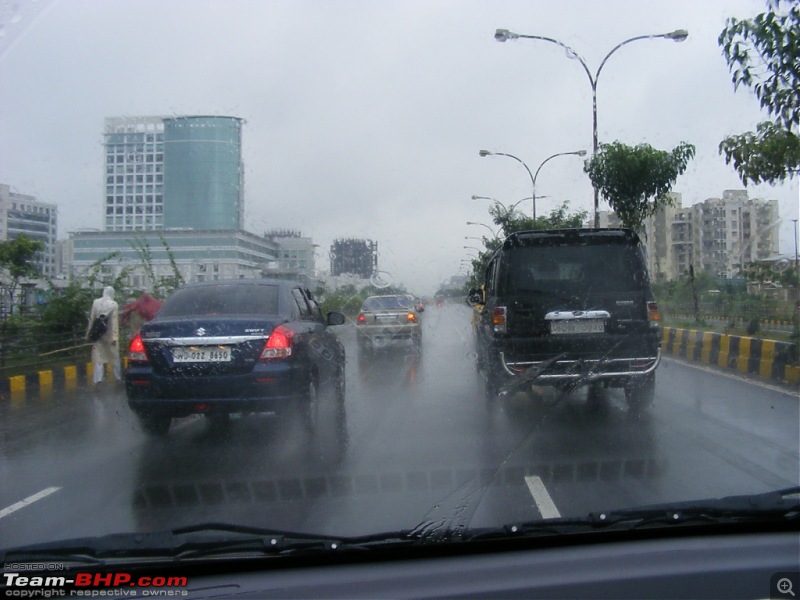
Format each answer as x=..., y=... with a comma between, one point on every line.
x=769, y=359
x=66, y=377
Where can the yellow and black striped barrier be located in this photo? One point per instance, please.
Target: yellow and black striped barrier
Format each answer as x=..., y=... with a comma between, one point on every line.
x=767, y=358
x=66, y=377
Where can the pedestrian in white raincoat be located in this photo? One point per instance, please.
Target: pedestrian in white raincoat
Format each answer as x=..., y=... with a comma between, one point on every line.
x=106, y=349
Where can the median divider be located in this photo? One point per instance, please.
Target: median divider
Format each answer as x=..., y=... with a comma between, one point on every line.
x=769, y=359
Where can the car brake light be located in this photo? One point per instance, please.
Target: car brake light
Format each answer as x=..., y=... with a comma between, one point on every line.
x=136, y=350
x=652, y=312
x=499, y=319
x=411, y=318
x=362, y=318
x=279, y=343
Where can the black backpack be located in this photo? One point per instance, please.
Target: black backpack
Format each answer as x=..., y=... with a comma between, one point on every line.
x=98, y=328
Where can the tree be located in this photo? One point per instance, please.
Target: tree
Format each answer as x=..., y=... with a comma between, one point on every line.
x=559, y=218
x=17, y=262
x=763, y=54
x=635, y=180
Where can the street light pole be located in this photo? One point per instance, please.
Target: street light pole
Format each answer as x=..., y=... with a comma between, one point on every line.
x=536, y=175
x=494, y=234
x=506, y=209
x=679, y=35
x=520, y=161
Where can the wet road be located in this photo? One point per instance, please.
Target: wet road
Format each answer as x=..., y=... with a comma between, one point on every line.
x=418, y=447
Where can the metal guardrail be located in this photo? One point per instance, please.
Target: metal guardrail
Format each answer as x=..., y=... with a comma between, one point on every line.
x=27, y=346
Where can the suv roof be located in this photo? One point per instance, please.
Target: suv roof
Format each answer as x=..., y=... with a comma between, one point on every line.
x=584, y=235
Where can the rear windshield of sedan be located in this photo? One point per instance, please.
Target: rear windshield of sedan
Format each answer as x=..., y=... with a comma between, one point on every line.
x=386, y=302
x=581, y=268
x=222, y=300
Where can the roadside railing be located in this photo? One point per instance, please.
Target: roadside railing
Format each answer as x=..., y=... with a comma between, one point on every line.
x=28, y=346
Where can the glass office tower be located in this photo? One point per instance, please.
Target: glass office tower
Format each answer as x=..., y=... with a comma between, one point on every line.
x=203, y=173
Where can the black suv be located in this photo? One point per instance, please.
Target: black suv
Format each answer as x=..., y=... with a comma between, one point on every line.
x=569, y=307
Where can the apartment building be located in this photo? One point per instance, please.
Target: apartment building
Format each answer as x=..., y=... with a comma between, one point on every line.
x=718, y=236
x=23, y=214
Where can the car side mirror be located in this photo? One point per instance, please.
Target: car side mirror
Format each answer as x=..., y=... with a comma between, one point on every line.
x=335, y=318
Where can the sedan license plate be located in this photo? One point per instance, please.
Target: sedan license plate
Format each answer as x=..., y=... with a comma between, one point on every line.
x=577, y=326
x=196, y=354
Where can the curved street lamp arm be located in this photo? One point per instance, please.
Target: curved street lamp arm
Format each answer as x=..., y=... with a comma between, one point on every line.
x=620, y=45
x=570, y=54
x=516, y=204
x=533, y=183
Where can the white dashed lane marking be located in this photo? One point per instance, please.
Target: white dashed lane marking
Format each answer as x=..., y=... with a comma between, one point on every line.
x=542, y=498
x=29, y=500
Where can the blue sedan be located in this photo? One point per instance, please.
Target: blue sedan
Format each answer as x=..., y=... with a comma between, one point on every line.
x=237, y=346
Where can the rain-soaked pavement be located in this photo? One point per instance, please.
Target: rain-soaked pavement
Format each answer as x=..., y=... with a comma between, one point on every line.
x=418, y=447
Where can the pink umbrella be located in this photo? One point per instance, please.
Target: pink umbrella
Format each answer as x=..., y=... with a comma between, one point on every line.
x=145, y=306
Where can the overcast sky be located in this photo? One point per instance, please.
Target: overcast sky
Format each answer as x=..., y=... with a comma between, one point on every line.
x=365, y=118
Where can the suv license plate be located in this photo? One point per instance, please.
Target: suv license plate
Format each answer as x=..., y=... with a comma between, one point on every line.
x=577, y=326
x=201, y=354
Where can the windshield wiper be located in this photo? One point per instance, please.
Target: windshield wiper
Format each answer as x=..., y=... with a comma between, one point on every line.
x=780, y=506
x=218, y=540
x=196, y=541
x=777, y=505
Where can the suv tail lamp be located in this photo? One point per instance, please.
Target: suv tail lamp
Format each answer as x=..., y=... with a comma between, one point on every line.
x=362, y=318
x=279, y=343
x=136, y=350
x=652, y=313
x=499, y=319
x=411, y=318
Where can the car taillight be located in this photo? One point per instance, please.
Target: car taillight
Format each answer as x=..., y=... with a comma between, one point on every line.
x=279, y=344
x=411, y=318
x=362, y=318
x=136, y=351
x=499, y=319
x=652, y=312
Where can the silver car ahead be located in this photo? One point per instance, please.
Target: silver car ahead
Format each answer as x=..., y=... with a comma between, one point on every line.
x=384, y=320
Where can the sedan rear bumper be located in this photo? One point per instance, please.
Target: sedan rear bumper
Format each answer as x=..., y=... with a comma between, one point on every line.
x=269, y=388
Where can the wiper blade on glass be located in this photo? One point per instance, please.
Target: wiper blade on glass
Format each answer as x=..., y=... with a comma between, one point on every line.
x=196, y=541
x=774, y=506
x=778, y=506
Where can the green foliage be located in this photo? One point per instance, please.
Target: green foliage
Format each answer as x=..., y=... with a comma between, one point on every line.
x=559, y=218
x=17, y=262
x=769, y=155
x=161, y=287
x=763, y=54
x=635, y=180
x=68, y=308
x=763, y=273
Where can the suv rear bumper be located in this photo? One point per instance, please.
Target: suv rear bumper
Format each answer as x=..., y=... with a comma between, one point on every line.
x=589, y=370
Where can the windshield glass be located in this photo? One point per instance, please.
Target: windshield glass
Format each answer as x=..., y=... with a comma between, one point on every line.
x=597, y=268
x=387, y=302
x=222, y=300
x=366, y=156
